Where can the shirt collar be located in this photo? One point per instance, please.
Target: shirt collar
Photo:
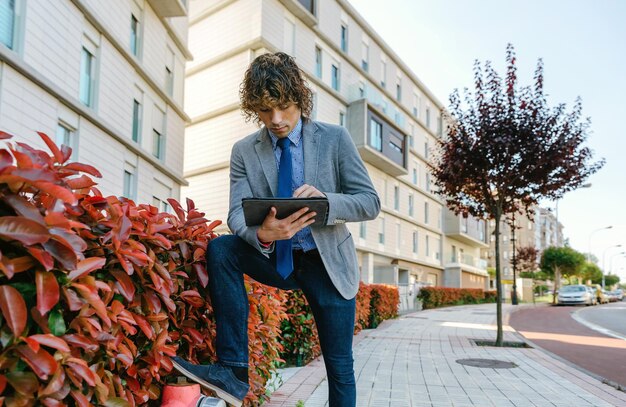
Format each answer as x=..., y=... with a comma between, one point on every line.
x=295, y=135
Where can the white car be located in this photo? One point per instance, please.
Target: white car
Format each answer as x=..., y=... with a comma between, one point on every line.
x=576, y=294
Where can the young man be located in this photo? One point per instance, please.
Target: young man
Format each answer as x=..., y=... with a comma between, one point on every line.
x=291, y=156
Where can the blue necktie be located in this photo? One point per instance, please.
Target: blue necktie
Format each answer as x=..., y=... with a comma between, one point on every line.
x=284, y=256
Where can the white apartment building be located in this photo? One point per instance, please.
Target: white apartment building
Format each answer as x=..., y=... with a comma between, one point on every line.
x=105, y=78
x=358, y=82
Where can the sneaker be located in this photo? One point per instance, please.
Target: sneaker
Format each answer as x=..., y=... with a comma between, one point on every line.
x=217, y=378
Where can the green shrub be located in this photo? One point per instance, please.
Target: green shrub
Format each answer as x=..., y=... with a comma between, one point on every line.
x=433, y=297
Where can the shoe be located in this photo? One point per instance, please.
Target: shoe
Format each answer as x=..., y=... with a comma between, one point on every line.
x=217, y=378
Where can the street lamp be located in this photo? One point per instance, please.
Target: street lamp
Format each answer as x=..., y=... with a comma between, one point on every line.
x=604, y=260
x=590, y=235
x=514, y=300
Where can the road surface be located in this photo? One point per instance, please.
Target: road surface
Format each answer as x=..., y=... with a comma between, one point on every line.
x=555, y=329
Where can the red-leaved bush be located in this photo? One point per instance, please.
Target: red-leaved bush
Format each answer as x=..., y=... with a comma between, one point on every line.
x=363, y=300
x=97, y=292
x=433, y=297
x=384, y=302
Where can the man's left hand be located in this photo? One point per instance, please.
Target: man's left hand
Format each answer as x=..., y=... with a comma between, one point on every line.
x=307, y=191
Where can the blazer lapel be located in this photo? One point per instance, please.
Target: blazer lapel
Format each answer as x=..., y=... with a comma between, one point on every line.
x=311, y=140
x=265, y=151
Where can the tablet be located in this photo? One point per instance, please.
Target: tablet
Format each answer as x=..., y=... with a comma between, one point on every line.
x=256, y=209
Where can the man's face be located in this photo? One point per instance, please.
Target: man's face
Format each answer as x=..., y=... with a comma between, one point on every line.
x=280, y=120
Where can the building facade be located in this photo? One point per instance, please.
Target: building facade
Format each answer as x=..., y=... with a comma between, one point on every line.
x=106, y=79
x=358, y=82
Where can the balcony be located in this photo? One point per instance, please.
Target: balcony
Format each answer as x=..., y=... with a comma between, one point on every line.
x=303, y=9
x=169, y=8
x=379, y=141
x=378, y=100
x=468, y=260
x=466, y=230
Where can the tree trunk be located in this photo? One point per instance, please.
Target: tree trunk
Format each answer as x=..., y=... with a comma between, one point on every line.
x=557, y=283
x=499, y=335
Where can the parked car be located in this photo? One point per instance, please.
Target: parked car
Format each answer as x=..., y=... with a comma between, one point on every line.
x=575, y=294
x=601, y=295
x=619, y=294
x=613, y=296
x=592, y=292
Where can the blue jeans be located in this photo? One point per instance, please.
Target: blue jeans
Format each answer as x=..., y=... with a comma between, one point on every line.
x=229, y=257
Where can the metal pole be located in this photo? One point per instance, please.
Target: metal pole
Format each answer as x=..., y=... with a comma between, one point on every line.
x=514, y=293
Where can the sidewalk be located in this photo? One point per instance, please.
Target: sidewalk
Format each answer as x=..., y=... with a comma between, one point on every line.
x=411, y=361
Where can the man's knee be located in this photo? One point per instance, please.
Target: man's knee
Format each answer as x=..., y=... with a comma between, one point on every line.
x=222, y=248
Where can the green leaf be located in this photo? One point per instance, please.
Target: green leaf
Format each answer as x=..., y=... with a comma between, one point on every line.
x=56, y=323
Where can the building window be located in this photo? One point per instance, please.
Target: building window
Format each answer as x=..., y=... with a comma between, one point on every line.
x=129, y=183
x=411, y=135
x=427, y=245
x=136, y=121
x=381, y=234
x=376, y=135
x=7, y=23
x=415, y=237
x=398, y=236
x=169, y=74
x=415, y=105
x=414, y=173
x=363, y=230
x=344, y=38
x=66, y=136
x=439, y=126
x=334, y=73
x=318, y=62
x=342, y=119
x=396, y=198
x=399, y=89
x=383, y=73
x=365, y=57
x=428, y=117
x=157, y=144
x=426, y=148
x=411, y=205
x=134, y=35
x=86, y=77
x=428, y=182
x=161, y=205
x=309, y=5
x=425, y=212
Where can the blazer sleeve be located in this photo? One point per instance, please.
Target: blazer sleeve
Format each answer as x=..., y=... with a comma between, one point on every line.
x=358, y=200
x=239, y=189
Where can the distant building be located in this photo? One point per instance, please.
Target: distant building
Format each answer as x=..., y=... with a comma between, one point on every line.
x=105, y=78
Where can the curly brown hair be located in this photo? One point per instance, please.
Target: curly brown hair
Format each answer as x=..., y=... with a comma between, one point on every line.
x=274, y=80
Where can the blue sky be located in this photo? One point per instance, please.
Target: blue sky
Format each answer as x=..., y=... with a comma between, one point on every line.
x=583, y=46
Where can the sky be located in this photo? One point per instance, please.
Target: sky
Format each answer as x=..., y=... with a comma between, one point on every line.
x=583, y=47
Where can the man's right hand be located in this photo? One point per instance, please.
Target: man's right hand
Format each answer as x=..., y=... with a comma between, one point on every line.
x=274, y=229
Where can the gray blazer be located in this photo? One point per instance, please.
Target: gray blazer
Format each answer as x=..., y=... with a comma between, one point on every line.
x=332, y=165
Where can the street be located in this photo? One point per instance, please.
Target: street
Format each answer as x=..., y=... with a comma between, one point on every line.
x=554, y=328
x=611, y=316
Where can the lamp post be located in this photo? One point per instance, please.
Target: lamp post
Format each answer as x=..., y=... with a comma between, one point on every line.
x=590, y=235
x=604, y=260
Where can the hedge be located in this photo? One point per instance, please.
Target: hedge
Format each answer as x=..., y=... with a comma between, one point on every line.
x=433, y=297
x=96, y=293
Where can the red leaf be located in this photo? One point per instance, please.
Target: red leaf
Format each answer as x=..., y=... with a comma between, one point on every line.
x=24, y=208
x=193, y=298
x=51, y=341
x=87, y=266
x=60, y=251
x=57, y=191
x=124, y=284
x=81, y=341
x=152, y=301
x=52, y=146
x=121, y=230
x=83, y=168
x=80, y=398
x=42, y=363
x=72, y=299
x=55, y=384
x=13, y=309
x=214, y=224
x=35, y=174
x=24, y=230
x=177, y=208
x=47, y=291
x=144, y=325
x=3, y=383
x=25, y=383
x=190, y=205
x=3, y=136
x=16, y=265
x=80, y=367
x=80, y=182
x=42, y=256
x=90, y=294
x=203, y=276
x=6, y=160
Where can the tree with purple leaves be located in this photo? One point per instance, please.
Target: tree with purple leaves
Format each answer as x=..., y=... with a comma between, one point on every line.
x=505, y=149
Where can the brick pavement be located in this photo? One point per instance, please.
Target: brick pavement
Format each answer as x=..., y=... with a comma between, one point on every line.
x=411, y=361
